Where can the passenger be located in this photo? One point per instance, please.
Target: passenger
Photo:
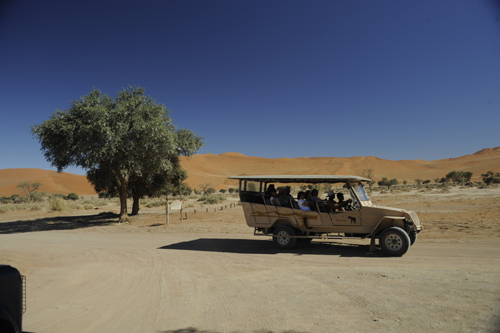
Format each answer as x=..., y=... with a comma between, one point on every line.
x=317, y=201
x=303, y=205
x=274, y=198
x=267, y=194
x=314, y=196
x=285, y=198
x=343, y=203
x=331, y=204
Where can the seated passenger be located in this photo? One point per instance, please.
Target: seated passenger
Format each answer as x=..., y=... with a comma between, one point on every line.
x=343, y=203
x=285, y=198
x=331, y=204
x=273, y=200
x=267, y=194
x=303, y=205
x=317, y=201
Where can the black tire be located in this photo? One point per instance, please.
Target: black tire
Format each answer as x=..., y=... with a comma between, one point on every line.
x=282, y=238
x=413, y=237
x=394, y=241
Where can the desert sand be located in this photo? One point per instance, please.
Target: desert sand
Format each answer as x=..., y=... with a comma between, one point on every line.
x=86, y=273
x=215, y=169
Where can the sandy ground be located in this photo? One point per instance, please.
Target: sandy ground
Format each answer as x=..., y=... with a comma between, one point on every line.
x=86, y=273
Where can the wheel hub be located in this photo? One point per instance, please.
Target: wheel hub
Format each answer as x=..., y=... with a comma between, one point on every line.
x=394, y=242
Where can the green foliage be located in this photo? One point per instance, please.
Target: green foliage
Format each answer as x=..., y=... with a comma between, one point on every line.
x=427, y=181
x=222, y=190
x=6, y=200
x=107, y=195
x=388, y=183
x=126, y=143
x=231, y=190
x=72, y=196
x=459, y=176
x=211, y=199
x=210, y=190
x=491, y=178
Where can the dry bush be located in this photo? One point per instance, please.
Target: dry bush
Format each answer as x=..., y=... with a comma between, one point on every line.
x=57, y=204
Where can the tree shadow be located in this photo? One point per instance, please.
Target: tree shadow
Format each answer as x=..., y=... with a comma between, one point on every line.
x=58, y=223
x=247, y=246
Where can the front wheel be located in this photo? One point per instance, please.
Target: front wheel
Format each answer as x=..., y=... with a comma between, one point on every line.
x=394, y=241
x=282, y=237
x=413, y=237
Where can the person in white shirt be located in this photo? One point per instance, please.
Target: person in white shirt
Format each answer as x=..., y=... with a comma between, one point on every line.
x=274, y=198
x=302, y=201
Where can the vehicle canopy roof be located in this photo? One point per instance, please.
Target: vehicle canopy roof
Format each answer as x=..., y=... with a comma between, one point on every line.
x=301, y=178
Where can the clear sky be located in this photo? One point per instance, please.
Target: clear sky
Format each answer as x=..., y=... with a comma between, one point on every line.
x=416, y=79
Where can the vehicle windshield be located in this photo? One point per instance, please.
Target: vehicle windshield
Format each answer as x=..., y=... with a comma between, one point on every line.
x=360, y=192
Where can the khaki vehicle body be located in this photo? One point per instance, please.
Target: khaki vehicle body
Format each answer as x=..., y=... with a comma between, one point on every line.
x=288, y=224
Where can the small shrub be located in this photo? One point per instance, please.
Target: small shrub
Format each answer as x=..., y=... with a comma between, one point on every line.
x=36, y=207
x=88, y=206
x=211, y=199
x=37, y=196
x=75, y=206
x=72, y=196
x=155, y=204
x=4, y=209
x=5, y=200
x=56, y=203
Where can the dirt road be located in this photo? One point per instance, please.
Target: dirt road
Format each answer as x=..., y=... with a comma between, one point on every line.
x=210, y=274
x=143, y=282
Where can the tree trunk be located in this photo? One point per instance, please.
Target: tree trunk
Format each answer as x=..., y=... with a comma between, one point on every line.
x=123, y=201
x=135, y=205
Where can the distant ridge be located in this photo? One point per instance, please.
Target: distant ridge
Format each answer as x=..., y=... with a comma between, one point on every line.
x=214, y=169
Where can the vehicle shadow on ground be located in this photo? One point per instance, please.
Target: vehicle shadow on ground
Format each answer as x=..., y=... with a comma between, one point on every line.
x=58, y=223
x=247, y=246
x=195, y=330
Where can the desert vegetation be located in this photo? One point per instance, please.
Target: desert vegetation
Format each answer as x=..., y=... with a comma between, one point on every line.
x=128, y=145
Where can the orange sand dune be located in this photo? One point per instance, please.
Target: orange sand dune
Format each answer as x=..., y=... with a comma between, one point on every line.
x=53, y=182
x=214, y=169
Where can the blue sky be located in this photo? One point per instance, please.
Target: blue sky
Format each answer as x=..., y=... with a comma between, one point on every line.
x=277, y=78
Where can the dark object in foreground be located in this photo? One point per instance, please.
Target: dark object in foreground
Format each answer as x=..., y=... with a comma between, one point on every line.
x=12, y=299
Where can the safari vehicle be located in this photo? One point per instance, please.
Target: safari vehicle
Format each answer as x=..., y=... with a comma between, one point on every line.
x=395, y=228
x=12, y=299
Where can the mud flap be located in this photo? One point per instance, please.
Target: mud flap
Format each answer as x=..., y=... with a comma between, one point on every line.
x=372, y=245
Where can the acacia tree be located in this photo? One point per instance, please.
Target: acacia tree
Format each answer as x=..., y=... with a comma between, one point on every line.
x=28, y=188
x=117, y=141
x=368, y=173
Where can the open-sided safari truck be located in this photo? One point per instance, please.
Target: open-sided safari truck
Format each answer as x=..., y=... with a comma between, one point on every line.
x=395, y=228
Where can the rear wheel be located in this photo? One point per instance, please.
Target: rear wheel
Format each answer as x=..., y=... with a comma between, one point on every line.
x=282, y=237
x=394, y=241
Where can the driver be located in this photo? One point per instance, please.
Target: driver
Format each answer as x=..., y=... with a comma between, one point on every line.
x=343, y=203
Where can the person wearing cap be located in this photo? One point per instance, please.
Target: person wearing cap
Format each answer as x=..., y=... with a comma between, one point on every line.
x=331, y=204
